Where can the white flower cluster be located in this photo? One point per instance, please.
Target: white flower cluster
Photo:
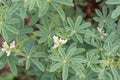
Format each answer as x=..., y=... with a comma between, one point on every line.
x=58, y=42
x=102, y=34
x=6, y=48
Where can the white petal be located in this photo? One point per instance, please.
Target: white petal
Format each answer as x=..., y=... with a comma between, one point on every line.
x=62, y=41
x=99, y=29
x=8, y=53
x=105, y=34
x=55, y=46
x=3, y=49
x=56, y=41
x=12, y=45
x=5, y=45
x=65, y=41
x=55, y=37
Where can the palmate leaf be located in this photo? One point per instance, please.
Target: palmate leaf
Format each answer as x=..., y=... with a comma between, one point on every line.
x=105, y=19
x=66, y=60
x=92, y=58
x=76, y=30
x=46, y=33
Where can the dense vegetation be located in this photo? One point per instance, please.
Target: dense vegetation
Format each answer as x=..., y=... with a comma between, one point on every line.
x=59, y=40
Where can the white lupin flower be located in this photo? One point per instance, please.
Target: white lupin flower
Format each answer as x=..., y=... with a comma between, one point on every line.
x=62, y=41
x=101, y=32
x=99, y=29
x=58, y=41
x=6, y=48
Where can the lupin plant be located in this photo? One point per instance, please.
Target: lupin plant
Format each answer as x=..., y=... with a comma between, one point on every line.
x=52, y=40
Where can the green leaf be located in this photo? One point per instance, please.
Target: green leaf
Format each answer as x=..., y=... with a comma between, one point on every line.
x=3, y=61
x=70, y=21
x=80, y=50
x=116, y=12
x=104, y=9
x=44, y=8
x=38, y=64
x=39, y=54
x=27, y=63
x=113, y=1
x=64, y=72
x=4, y=34
x=55, y=58
x=31, y=5
x=26, y=30
x=74, y=44
x=1, y=53
x=77, y=69
x=66, y=2
x=34, y=18
x=85, y=25
x=78, y=36
x=59, y=10
x=61, y=52
x=12, y=65
x=12, y=21
x=22, y=60
x=98, y=13
x=55, y=66
x=38, y=3
x=12, y=29
x=42, y=40
x=55, y=18
x=14, y=8
x=78, y=21
x=115, y=73
x=23, y=12
x=71, y=52
x=101, y=74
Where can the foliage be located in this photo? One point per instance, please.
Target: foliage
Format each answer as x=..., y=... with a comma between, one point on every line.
x=57, y=43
